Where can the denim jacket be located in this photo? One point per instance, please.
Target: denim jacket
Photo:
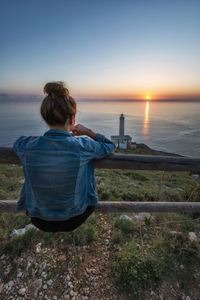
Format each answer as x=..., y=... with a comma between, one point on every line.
x=59, y=173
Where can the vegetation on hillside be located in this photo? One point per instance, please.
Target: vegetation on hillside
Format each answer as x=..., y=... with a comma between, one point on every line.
x=150, y=255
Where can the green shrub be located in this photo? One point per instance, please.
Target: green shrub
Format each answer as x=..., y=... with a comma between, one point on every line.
x=9, y=221
x=136, y=175
x=48, y=238
x=134, y=270
x=130, y=196
x=125, y=226
x=83, y=235
x=19, y=243
x=104, y=196
x=192, y=193
x=117, y=237
x=177, y=248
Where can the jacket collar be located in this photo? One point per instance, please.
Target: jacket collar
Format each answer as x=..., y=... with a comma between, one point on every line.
x=57, y=132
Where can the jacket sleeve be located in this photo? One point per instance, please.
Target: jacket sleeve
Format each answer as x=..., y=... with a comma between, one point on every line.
x=96, y=149
x=19, y=145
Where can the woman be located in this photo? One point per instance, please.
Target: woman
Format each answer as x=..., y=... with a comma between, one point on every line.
x=59, y=192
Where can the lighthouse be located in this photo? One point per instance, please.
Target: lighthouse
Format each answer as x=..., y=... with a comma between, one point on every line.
x=122, y=141
x=121, y=125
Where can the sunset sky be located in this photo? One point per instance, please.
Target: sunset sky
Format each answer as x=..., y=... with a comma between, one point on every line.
x=102, y=49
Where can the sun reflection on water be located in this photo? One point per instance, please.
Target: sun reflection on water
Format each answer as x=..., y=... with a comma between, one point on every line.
x=146, y=120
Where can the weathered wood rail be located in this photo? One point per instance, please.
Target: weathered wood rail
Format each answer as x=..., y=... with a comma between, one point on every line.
x=126, y=161
x=107, y=207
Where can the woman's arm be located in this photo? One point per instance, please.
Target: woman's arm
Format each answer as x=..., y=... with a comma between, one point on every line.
x=82, y=130
x=96, y=148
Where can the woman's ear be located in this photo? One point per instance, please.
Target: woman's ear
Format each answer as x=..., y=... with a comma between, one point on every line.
x=72, y=120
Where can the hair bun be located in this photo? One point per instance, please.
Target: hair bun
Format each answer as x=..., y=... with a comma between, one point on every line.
x=56, y=89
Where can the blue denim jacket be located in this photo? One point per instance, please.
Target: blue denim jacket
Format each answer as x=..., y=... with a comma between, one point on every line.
x=59, y=173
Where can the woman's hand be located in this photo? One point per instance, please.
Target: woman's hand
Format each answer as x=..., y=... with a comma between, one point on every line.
x=82, y=130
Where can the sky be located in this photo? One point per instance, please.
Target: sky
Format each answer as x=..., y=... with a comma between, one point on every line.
x=113, y=49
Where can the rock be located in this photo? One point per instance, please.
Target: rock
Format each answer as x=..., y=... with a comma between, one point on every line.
x=44, y=265
x=175, y=233
x=132, y=184
x=22, y=291
x=22, y=181
x=35, y=286
x=142, y=216
x=147, y=215
x=106, y=241
x=192, y=236
x=21, y=231
x=123, y=175
x=68, y=277
x=188, y=298
x=178, y=189
x=71, y=292
x=2, y=257
x=195, y=176
x=45, y=286
x=66, y=297
x=44, y=274
x=19, y=274
x=153, y=293
x=38, y=248
x=125, y=217
x=55, y=298
x=28, y=265
x=11, y=283
x=49, y=282
x=164, y=187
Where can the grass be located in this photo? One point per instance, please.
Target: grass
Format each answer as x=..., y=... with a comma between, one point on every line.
x=149, y=254
x=144, y=254
x=129, y=185
x=83, y=235
x=135, y=269
x=144, y=185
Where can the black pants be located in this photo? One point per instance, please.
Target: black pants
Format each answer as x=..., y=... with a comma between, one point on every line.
x=68, y=225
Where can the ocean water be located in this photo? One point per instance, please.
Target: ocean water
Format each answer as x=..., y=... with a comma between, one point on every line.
x=166, y=126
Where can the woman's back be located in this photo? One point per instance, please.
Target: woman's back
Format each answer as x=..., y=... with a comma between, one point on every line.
x=59, y=173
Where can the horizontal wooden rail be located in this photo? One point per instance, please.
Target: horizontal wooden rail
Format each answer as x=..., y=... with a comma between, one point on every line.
x=107, y=207
x=127, y=161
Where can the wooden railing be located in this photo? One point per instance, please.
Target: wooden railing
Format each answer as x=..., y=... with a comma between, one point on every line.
x=126, y=161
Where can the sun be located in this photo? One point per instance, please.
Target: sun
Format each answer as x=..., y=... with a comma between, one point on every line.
x=148, y=97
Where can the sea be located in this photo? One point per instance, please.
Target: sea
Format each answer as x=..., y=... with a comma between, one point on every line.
x=166, y=126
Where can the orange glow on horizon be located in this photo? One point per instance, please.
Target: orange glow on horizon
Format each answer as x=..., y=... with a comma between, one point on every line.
x=118, y=93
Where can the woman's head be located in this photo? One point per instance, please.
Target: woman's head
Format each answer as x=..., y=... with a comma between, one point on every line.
x=58, y=106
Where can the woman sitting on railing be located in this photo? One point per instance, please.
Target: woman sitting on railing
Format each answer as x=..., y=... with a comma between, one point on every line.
x=59, y=192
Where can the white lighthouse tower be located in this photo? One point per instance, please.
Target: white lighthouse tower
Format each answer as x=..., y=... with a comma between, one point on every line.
x=121, y=125
x=122, y=141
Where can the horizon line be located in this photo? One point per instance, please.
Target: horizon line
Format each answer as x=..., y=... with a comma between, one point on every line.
x=31, y=99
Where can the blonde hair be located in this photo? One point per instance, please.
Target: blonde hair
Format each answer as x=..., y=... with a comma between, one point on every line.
x=58, y=105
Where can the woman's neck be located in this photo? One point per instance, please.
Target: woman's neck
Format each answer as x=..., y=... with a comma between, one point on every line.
x=65, y=128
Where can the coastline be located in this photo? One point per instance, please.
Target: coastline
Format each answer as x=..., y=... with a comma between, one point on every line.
x=144, y=149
